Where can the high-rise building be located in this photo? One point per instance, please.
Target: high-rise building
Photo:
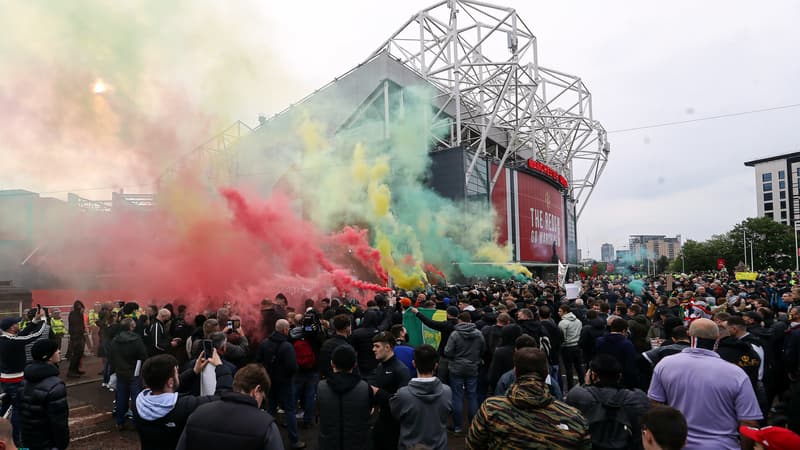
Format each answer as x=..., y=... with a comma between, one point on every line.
x=777, y=184
x=653, y=246
x=607, y=252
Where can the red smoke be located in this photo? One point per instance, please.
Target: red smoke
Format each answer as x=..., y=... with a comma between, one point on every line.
x=206, y=251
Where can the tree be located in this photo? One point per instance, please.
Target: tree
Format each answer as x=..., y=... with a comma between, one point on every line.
x=773, y=246
x=662, y=264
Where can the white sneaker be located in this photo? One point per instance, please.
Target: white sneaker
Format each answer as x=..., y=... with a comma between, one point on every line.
x=105, y=385
x=299, y=415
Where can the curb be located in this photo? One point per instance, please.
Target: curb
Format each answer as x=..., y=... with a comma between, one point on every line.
x=82, y=382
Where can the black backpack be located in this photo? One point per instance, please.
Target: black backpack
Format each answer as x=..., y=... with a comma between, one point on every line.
x=609, y=424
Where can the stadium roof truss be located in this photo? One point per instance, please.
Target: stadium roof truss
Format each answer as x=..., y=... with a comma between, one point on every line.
x=483, y=61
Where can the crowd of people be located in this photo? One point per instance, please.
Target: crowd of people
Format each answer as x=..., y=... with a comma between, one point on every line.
x=687, y=361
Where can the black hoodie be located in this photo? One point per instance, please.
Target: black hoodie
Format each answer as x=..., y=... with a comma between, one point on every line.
x=43, y=408
x=344, y=401
x=589, y=334
x=361, y=339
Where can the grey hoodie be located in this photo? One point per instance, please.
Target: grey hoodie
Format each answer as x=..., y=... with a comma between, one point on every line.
x=464, y=349
x=571, y=329
x=422, y=408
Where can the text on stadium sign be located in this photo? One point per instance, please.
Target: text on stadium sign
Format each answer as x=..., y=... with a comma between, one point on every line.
x=548, y=171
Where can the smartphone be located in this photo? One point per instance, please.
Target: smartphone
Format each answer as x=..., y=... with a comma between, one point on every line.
x=237, y=324
x=230, y=324
x=208, y=348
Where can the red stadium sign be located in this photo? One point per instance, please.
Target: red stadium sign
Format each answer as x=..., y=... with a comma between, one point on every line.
x=549, y=172
x=530, y=214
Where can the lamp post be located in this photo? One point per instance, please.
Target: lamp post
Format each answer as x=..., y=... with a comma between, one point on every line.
x=796, y=251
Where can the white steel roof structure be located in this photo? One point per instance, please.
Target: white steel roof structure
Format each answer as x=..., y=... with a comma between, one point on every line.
x=483, y=60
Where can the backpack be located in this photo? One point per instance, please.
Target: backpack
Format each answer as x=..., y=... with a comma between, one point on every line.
x=609, y=424
x=306, y=359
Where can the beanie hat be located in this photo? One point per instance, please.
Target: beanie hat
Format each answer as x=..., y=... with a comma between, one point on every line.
x=453, y=311
x=405, y=302
x=43, y=349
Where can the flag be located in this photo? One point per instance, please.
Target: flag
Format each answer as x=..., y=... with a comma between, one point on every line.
x=418, y=333
x=562, y=273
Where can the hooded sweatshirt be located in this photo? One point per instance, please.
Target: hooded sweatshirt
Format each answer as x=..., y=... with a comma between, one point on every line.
x=528, y=417
x=570, y=327
x=161, y=418
x=464, y=349
x=344, y=401
x=422, y=409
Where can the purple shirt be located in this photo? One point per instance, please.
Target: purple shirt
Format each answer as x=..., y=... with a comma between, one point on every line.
x=713, y=395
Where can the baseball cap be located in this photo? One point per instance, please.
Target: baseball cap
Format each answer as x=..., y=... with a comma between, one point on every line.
x=6, y=323
x=773, y=438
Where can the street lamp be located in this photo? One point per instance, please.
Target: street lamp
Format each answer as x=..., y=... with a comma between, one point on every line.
x=796, y=250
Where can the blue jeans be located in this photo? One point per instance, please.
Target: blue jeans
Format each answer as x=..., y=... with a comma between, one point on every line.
x=305, y=388
x=457, y=385
x=126, y=389
x=282, y=394
x=11, y=400
x=555, y=384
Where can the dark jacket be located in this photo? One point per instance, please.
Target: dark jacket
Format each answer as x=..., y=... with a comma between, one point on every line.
x=13, y=351
x=618, y=346
x=126, y=349
x=277, y=355
x=589, y=334
x=247, y=427
x=791, y=351
x=739, y=352
x=503, y=358
x=344, y=401
x=422, y=408
x=464, y=350
x=361, y=340
x=269, y=317
x=389, y=376
x=556, y=340
x=638, y=332
x=445, y=328
x=161, y=338
x=160, y=419
x=75, y=324
x=634, y=402
x=493, y=336
x=326, y=351
x=43, y=408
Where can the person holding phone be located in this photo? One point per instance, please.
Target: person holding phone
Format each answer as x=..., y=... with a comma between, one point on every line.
x=161, y=412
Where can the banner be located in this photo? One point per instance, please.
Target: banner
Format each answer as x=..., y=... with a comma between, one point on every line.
x=573, y=290
x=418, y=333
x=746, y=276
x=720, y=263
x=609, y=267
x=562, y=273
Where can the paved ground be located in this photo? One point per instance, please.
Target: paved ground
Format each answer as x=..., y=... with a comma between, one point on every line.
x=92, y=426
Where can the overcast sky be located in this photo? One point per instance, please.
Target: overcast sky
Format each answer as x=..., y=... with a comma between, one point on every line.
x=644, y=62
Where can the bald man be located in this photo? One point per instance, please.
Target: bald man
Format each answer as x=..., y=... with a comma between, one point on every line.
x=714, y=395
x=277, y=355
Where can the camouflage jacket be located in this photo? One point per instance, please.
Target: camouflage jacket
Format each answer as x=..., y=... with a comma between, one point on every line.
x=528, y=417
